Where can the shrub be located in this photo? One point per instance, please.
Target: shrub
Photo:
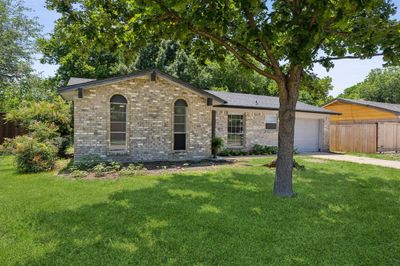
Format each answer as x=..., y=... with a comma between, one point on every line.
x=100, y=169
x=33, y=156
x=224, y=153
x=36, y=116
x=256, y=150
x=116, y=166
x=7, y=147
x=88, y=162
x=263, y=150
x=78, y=174
x=132, y=169
x=216, y=145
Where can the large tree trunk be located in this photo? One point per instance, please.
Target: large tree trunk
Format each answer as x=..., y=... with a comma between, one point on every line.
x=288, y=94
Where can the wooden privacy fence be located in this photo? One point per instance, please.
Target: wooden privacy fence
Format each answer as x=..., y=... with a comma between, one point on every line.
x=388, y=137
x=9, y=129
x=365, y=137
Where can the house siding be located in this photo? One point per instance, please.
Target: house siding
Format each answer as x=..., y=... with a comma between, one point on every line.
x=351, y=112
x=149, y=122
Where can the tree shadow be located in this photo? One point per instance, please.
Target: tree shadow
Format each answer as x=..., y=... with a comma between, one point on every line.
x=226, y=217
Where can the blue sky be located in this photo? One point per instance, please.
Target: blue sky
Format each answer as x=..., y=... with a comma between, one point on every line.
x=345, y=73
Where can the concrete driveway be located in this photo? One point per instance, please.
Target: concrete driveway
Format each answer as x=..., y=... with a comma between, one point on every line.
x=357, y=159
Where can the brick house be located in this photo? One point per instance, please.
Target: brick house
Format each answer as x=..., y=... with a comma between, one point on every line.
x=152, y=116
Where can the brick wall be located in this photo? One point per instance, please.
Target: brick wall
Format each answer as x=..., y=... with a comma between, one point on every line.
x=149, y=122
x=254, y=127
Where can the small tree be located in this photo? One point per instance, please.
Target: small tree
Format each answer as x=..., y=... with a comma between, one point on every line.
x=38, y=117
x=216, y=145
x=280, y=40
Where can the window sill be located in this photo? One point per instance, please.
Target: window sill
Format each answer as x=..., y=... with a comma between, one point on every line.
x=235, y=147
x=118, y=150
x=179, y=151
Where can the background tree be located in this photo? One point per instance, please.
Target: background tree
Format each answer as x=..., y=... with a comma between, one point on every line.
x=167, y=55
x=381, y=85
x=279, y=40
x=18, y=81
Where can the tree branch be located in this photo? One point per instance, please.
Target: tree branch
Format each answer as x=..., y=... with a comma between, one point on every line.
x=234, y=52
x=343, y=57
x=251, y=53
x=224, y=42
x=264, y=44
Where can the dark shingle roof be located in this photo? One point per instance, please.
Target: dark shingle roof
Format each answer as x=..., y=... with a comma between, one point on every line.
x=391, y=107
x=242, y=100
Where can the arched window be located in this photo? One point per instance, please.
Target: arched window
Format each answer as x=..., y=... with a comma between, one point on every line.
x=180, y=110
x=118, y=120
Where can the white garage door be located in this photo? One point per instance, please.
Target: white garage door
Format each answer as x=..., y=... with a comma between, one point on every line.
x=306, y=135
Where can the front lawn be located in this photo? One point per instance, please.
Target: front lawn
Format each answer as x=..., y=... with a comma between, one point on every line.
x=344, y=213
x=383, y=156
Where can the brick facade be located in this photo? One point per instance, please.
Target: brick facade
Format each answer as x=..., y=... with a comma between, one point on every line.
x=149, y=121
x=150, y=107
x=254, y=127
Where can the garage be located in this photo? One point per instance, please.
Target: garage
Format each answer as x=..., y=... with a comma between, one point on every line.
x=307, y=135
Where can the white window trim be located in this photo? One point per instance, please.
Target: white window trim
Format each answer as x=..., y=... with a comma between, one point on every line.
x=243, y=131
x=113, y=147
x=186, y=126
x=268, y=122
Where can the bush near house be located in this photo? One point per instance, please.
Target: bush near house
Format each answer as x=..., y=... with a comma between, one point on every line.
x=88, y=162
x=37, y=115
x=216, y=145
x=92, y=164
x=49, y=134
x=257, y=149
x=33, y=156
x=35, y=151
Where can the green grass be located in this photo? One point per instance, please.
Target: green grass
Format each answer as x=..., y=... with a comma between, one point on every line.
x=383, y=156
x=344, y=213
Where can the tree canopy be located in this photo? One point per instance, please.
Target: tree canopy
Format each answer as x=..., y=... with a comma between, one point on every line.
x=381, y=85
x=17, y=42
x=18, y=81
x=167, y=55
x=280, y=40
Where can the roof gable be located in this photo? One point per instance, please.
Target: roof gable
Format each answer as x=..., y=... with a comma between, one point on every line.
x=389, y=107
x=75, y=83
x=223, y=99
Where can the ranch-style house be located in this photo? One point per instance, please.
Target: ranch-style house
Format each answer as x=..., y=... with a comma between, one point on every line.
x=152, y=116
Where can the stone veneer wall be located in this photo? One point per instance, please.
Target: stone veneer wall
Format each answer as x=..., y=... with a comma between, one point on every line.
x=254, y=127
x=150, y=121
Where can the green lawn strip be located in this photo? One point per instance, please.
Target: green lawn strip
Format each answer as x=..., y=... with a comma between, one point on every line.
x=383, y=156
x=343, y=213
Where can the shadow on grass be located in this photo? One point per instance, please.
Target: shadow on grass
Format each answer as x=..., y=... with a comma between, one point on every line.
x=229, y=217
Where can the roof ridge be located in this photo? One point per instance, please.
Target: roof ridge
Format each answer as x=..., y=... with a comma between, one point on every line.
x=243, y=93
x=368, y=101
x=258, y=95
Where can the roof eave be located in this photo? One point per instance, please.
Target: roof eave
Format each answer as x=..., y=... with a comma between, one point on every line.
x=274, y=109
x=362, y=104
x=96, y=83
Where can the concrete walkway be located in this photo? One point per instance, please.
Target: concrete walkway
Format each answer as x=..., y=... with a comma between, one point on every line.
x=357, y=159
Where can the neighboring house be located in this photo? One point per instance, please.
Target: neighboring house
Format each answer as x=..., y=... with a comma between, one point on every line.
x=152, y=116
x=364, y=126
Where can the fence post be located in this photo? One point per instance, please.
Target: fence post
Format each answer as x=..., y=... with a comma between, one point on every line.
x=377, y=137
